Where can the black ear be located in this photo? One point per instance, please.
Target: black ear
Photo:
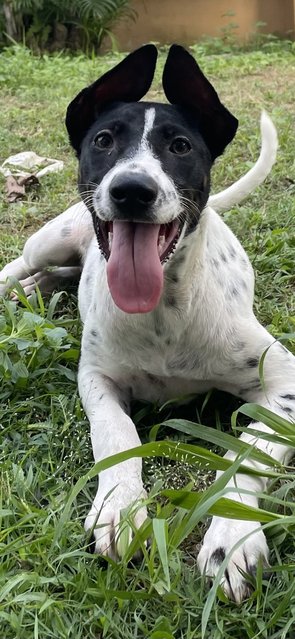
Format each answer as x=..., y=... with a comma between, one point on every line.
x=128, y=81
x=185, y=84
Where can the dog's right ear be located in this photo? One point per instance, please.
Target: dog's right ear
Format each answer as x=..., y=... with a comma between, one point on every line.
x=128, y=81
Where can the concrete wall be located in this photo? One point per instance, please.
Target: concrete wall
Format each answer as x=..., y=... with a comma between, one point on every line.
x=186, y=21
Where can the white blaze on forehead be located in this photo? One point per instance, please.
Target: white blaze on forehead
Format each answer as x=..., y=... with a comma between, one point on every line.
x=149, y=118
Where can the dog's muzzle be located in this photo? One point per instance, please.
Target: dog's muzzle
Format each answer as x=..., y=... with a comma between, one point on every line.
x=133, y=243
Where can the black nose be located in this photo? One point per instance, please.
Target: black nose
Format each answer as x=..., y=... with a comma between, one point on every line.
x=133, y=193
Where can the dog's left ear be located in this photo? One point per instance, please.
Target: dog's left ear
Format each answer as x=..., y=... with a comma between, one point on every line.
x=128, y=81
x=185, y=85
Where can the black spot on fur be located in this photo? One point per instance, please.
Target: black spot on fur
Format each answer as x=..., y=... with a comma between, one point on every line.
x=234, y=292
x=168, y=341
x=218, y=555
x=252, y=362
x=287, y=409
x=223, y=257
x=232, y=251
x=65, y=231
x=101, y=397
x=288, y=396
x=93, y=332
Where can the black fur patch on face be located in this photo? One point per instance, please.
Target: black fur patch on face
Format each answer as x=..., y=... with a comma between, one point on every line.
x=125, y=123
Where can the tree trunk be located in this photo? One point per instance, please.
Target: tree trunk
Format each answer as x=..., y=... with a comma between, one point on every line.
x=11, y=28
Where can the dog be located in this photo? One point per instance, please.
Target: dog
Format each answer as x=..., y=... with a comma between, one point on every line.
x=166, y=289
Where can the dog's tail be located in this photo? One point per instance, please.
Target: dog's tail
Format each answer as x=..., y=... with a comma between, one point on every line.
x=245, y=185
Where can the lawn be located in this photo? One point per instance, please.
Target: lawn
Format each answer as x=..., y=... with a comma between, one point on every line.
x=50, y=585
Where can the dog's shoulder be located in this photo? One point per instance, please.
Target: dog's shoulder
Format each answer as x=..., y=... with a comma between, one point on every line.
x=223, y=249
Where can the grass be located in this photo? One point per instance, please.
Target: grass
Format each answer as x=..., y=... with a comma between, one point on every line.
x=50, y=586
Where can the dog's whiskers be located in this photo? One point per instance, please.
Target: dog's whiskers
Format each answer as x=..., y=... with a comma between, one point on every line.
x=189, y=209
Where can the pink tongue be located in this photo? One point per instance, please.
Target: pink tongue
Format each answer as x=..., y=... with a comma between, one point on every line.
x=134, y=271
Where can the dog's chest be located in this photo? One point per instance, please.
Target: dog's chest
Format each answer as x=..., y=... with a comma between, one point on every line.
x=154, y=358
x=153, y=365
x=159, y=344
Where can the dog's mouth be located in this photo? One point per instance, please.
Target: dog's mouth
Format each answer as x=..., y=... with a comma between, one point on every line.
x=135, y=252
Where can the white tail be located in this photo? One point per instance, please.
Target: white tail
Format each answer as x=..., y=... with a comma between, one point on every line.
x=245, y=185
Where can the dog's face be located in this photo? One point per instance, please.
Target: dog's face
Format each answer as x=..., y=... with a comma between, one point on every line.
x=144, y=168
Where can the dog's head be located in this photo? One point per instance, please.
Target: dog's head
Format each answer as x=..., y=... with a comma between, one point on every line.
x=144, y=168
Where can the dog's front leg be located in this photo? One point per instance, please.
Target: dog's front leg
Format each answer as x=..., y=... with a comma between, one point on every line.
x=112, y=431
x=277, y=393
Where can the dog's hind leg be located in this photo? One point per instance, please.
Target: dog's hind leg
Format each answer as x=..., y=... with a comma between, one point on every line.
x=61, y=242
x=274, y=389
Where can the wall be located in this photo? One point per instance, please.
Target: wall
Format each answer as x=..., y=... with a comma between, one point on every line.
x=186, y=21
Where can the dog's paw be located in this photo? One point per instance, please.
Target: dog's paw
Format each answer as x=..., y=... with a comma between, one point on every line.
x=113, y=517
x=45, y=280
x=221, y=537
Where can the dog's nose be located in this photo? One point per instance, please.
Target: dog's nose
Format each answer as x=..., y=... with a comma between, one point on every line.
x=133, y=193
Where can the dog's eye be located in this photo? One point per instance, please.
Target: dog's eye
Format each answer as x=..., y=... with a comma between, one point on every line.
x=104, y=140
x=180, y=146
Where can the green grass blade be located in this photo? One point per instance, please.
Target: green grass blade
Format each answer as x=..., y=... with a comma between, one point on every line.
x=223, y=507
x=160, y=530
x=267, y=417
x=224, y=440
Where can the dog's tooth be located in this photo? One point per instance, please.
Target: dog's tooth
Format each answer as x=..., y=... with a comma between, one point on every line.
x=161, y=242
x=110, y=240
